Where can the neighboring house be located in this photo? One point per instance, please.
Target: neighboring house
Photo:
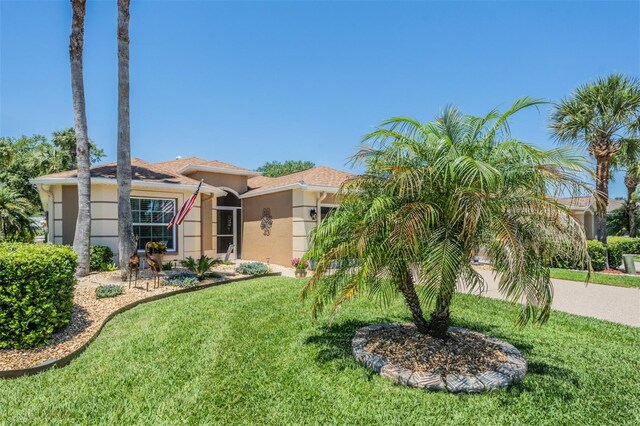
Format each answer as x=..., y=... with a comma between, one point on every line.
x=583, y=209
x=266, y=219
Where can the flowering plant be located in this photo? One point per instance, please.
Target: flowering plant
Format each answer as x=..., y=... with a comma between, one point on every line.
x=299, y=264
x=156, y=247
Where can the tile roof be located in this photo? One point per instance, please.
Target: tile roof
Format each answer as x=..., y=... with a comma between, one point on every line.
x=179, y=164
x=316, y=176
x=140, y=170
x=585, y=201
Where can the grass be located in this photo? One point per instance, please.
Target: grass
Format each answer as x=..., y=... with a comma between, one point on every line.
x=248, y=353
x=617, y=280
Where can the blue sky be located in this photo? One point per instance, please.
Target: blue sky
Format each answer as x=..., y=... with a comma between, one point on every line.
x=248, y=82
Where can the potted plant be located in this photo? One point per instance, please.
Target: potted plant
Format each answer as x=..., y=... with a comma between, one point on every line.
x=157, y=249
x=300, y=266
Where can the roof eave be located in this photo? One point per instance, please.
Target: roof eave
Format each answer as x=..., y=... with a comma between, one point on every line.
x=223, y=170
x=135, y=183
x=290, y=186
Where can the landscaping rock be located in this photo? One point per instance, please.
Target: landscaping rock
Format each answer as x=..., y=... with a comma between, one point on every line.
x=429, y=381
x=503, y=364
x=463, y=383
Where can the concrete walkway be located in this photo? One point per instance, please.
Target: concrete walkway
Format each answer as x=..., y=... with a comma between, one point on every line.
x=616, y=304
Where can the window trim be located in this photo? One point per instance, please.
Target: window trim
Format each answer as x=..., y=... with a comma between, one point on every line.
x=174, y=250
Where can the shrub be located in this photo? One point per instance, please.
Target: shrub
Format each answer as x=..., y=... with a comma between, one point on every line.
x=617, y=246
x=597, y=254
x=167, y=266
x=36, y=292
x=100, y=257
x=181, y=280
x=201, y=266
x=108, y=290
x=253, y=268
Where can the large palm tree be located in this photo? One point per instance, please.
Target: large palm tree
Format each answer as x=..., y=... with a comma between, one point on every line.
x=15, y=223
x=126, y=243
x=628, y=159
x=600, y=115
x=82, y=237
x=435, y=193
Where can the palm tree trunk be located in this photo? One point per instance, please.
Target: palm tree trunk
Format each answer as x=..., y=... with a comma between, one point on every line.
x=408, y=290
x=631, y=182
x=125, y=227
x=603, y=165
x=440, y=318
x=82, y=237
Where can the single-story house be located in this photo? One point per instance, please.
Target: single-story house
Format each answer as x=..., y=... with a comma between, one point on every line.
x=266, y=219
x=583, y=209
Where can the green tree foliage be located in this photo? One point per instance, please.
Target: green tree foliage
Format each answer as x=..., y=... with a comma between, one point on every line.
x=31, y=156
x=618, y=221
x=15, y=223
x=433, y=194
x=276, y=168
x=601, y=116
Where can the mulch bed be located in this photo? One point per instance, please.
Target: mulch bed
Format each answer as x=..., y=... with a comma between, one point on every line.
x=88, y=315
x=461, y=353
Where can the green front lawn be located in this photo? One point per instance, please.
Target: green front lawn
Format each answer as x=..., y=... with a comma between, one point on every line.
x=248, y=353
x=596, y=278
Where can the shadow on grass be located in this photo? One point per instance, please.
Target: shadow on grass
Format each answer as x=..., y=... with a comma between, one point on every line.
x=334, y=344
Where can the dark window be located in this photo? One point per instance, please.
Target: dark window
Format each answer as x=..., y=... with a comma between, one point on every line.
x=150, y=220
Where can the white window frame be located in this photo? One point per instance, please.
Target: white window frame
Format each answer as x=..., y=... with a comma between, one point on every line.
x=174, y=249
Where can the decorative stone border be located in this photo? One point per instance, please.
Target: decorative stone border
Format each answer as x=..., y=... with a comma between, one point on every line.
x=511, y=371
x=66, y=360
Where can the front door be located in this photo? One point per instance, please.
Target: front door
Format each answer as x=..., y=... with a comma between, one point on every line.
x=228, y=230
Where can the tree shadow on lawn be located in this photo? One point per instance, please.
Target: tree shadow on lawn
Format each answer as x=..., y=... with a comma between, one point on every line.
x=334, y=343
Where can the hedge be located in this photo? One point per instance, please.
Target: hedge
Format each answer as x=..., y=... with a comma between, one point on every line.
x=618, y=246
x=100, y=257
x=36, y=292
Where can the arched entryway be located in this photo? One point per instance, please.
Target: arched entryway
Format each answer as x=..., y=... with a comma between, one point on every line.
x=229, y=224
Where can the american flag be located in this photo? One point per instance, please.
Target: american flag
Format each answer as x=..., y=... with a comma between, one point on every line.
x=185, y=209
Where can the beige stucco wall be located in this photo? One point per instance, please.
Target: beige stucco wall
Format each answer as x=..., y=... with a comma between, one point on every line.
x=208, y=225
x=104, y=217
x=276, y=247
x=236, y=182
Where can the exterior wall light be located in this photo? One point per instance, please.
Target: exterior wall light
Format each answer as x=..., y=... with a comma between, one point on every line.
x=313, y=213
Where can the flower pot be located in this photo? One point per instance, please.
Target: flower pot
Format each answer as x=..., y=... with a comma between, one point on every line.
x=301, y=273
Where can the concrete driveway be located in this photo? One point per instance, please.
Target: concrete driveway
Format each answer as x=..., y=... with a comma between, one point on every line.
x=616, y=304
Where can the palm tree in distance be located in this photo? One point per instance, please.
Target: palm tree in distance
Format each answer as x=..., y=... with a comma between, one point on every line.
x=600, y=116
x=15, y=223
x=434, y=193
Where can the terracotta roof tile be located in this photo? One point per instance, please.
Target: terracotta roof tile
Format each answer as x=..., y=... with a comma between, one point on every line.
x=181, y=163
x=320, y=176
x=585, y=201
x=140, y=170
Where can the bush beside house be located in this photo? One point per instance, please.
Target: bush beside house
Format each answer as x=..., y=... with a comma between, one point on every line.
x=36, y=292
x=100, y=258
x=616, y=247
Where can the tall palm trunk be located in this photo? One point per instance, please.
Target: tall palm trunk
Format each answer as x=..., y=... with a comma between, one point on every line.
x=603, y=168
x=631, y=181
x=126, y=243
x=82, y=237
